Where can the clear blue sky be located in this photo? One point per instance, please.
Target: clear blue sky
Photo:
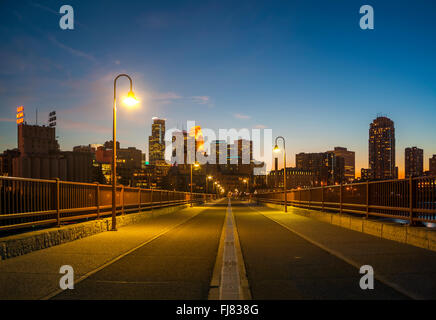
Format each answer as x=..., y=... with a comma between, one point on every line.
x=303, y=68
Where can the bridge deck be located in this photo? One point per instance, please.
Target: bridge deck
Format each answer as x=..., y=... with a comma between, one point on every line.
x=282, y=265
x=286, y=256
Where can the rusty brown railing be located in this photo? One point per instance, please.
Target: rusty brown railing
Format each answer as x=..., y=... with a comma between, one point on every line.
x=412, y=199
x=31, y=202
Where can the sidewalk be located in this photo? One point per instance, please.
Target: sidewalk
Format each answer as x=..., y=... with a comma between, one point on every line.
x=407, y=268
x=36, y=275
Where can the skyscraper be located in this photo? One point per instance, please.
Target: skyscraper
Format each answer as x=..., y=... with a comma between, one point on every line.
x=327, y=167
x=414, y=162
x=382, y=149
x=349, y=162
x=156, y=142
x=432, y=165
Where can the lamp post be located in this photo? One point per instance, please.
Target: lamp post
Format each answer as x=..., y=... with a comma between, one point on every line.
x=277, y=149
x=130, y=100
x=245, y=181
x=207, y=184
x=196, y=164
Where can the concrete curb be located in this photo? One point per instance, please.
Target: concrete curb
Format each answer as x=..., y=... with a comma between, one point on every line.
x=415, y=236
x=17, y=245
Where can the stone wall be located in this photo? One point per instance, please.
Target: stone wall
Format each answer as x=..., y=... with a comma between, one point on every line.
x=20, y=244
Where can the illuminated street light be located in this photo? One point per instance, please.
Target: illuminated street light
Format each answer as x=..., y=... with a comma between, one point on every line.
x=207, y=185
x=130, y=101
x=276, y=150
x=245, y=181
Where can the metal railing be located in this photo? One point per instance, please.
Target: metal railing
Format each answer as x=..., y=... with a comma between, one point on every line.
x=412, y=199
x=31, y=202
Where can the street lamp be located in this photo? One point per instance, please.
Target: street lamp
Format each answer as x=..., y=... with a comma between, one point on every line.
x=277, y=149
x=245, y=181
x=130, y=100
x=207, y=185
x=196, y=164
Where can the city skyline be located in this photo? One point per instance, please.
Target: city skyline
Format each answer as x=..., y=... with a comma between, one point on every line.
x=158, y=122
x=282, y=85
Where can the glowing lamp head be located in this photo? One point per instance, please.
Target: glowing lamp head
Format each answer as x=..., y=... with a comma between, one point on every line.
x=210, y=177
x=196, y=164
x=131, y=100
x=276, y=149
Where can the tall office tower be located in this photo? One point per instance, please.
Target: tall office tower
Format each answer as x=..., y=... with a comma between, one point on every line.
x=180, y=147
x=349, y=162
x=156, y=142
x=219, y=148
x=382, y=149
x=327, y=167
x=245, y=151
x=414, y=162
x=432, y=165
x=313, y=162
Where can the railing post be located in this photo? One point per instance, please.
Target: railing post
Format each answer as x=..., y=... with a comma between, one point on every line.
x=411, y=201
x=151, y=200
x=310, y=197
x=122, y=199
x=322, y=197
x=58, y=206
x=340, y=198
x=97, y=199
x=367, y=199
x=139, y=199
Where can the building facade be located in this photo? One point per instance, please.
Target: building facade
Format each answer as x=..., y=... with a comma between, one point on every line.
x=40, y=157
x=382, y=149
x=432, y=165
x=414, y=162
x=327, y=168
x=156, y=142
x=6, y=161
x=349, y=162
x=295, y=178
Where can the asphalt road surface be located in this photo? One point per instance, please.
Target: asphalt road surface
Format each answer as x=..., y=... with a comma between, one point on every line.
x=281, y=265
x=176, y=265
x=179, y=264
